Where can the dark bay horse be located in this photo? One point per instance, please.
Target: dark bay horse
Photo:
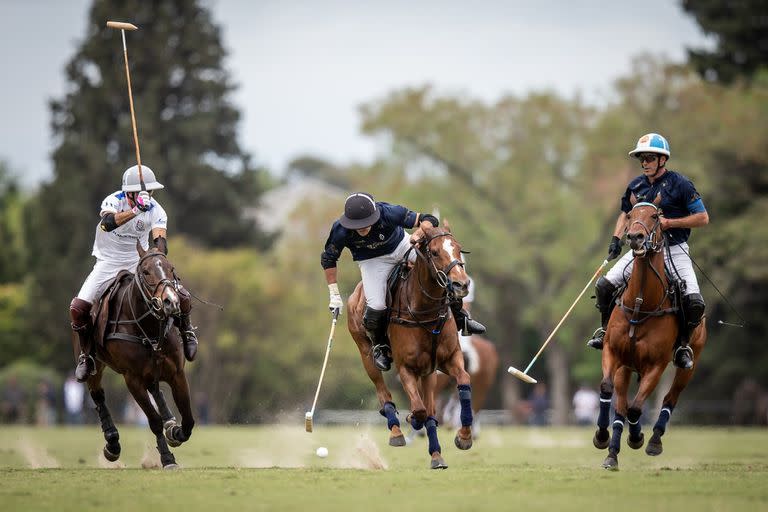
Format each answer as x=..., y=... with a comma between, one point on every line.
x=640, y=337
x=483, y=378
x=133, y=335
x=424, y=338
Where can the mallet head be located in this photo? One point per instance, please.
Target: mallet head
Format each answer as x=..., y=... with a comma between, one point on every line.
x=121, y=25
x=522, y=376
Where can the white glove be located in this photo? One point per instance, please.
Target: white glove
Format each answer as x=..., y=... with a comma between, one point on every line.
x=143, y=202
x=335, y=302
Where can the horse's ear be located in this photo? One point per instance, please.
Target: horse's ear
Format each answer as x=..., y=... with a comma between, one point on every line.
x=446, y=226
x=633, y=199
x=657, y=199
x=140, y=249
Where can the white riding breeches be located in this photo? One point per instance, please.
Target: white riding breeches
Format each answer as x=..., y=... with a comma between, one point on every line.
x=676, y=260
x=376, y=270
x=103, y=272
x=469, y=350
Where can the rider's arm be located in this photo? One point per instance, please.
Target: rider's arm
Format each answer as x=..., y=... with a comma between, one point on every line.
x=425, y=220
x=691, y=221
x=111, y=220
x=330, y=275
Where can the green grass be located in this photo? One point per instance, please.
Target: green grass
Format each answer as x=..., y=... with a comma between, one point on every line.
x=274, y=468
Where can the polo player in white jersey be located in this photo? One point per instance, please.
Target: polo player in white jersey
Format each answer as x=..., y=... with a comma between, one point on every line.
x=127, y=216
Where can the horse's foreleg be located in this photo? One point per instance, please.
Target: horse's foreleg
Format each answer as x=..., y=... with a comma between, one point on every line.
x=463, y=439
x=169, y=421
x=410, y=384
x=602, y=436
x=111, y=435
x=648, y=383
x=621, y=380
x=140, y=394
x=428, y=384
x=180, y=390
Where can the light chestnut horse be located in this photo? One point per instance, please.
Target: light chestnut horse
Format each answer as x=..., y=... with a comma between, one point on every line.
x=640, y=338
x=423, y=336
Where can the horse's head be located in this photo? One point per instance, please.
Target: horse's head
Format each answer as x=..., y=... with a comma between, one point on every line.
x=442, y=253
x=644, y=229
x=157, y=282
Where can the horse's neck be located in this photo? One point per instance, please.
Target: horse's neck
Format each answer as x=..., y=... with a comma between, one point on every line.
x=648, y=280
x=420, y=281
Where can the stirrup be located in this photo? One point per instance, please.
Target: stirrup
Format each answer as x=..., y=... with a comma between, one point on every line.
x=86, y=367
x=680, y=360
x=382, y=357
x=596, y=341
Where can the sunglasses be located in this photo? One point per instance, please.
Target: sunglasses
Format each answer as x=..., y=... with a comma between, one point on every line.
x=647, y=157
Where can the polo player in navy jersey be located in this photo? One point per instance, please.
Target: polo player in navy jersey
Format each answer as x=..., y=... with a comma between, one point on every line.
x=374, y=233
x=682, y=209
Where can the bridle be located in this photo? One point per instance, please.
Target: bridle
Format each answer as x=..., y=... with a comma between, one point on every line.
x=149, y=290
x=441, y=276
x=653, y=241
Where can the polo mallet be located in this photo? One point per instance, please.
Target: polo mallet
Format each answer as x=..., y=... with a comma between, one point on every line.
x=524, y=375
x=122, y=26
x=308, y=416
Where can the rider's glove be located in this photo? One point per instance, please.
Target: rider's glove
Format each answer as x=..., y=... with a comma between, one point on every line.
x=143, y=202
x=614, y=250
x=335, y=303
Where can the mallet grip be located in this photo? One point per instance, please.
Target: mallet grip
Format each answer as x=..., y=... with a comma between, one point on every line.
x=122, y=25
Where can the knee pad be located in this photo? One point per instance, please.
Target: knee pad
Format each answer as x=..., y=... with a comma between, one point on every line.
x=694, y=307
x=374, y=318
x=604, y=290
x=185, y=301
x=80, y=313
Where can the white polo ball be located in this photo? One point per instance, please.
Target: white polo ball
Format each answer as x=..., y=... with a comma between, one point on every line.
x=322, y=452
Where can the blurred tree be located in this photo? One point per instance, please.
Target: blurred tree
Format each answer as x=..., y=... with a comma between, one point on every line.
x=13, y=257
x=187, y=131
x=740, y=30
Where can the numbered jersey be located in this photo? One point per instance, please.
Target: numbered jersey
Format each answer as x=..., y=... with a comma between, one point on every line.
x=119, y=245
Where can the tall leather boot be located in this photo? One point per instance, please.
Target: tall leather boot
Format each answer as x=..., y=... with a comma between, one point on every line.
x=693, y=309
x=375, y=323
x=604, y=291
x=80, y=314
x=186, y=329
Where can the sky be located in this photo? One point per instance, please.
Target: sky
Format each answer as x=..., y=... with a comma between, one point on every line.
x=304, y=67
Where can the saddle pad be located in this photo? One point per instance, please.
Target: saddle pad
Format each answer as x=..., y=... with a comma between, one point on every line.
x=100, y=313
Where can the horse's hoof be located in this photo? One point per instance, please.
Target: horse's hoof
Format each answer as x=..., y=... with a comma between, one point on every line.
x=601, y=439
x=397, y=440
x=169, y=436
x=111, y=456
x=611, y=463
x=654, y=445
x=462, y=444
x=636, y=444
x=172, y=465
x=438, y=462
x=169, y=423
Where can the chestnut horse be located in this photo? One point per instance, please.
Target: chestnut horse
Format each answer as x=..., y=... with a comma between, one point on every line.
x=423, y=336
x=483, y=377
x=640, y=337
x=133, y=335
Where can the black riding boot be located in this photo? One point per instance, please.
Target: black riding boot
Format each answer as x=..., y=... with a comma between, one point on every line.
x=188, y=336
x=693, y=309
x=80, y=314
x=604, y=291
x=375, y=323
x=464, y=323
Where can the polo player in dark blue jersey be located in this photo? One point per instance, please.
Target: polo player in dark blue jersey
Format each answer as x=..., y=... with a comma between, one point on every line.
x=374, y=233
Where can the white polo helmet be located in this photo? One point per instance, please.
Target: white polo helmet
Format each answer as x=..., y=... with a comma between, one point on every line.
x=131, y=182
x=651, y=143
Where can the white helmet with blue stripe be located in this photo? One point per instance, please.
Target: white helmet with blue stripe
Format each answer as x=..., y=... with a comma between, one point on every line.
x=132, y=183
x=651, y=143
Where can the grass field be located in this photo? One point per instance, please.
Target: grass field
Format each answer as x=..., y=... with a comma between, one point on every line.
x=275, y=468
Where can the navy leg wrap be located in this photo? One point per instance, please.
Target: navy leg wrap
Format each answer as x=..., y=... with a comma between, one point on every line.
x=434, y=444
x=633, y=418
x=618, y=429
x=605, y=410
x=465, y=399
x=664, y=416
x=415, y=423
x=389, y=411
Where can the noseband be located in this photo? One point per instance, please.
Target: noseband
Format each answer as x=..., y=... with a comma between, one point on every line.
x=652, y=243
x=149, y=291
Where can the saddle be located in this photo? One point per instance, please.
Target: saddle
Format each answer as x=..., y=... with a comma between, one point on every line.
x=100, y=311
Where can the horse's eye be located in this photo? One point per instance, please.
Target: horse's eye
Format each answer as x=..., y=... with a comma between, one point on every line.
x=145, y=272
x=434, y=253
x=655, y=216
